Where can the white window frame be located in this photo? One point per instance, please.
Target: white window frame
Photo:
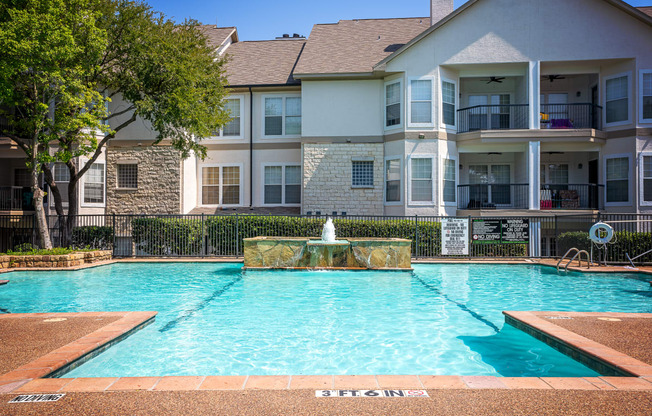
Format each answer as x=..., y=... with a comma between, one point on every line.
x=221, y=166
x=55, y=167
x=401, y=189
x=448, y=127
x=629, y=180
x=627, y=74
x=641, y=74
x=401, y=95
x=433, y=179
x=457, y=180
x=262, y=114
x=83, y=184
x=262, y=182
x=546, y=172
x=117, y=174
x=432, y=101
x=220, y=134
x=641, y=173
x=489, y=165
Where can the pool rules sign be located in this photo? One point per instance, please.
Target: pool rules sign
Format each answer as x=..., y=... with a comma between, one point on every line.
x=454, y=237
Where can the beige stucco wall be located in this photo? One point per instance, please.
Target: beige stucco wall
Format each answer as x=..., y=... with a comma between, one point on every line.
x=327, y=179
x=342, y=108
x=159, y=181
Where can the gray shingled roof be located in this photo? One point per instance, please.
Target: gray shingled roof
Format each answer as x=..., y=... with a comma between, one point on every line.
x=263, y=62
x=218, y=35
x=355, y=46
x=646, y=9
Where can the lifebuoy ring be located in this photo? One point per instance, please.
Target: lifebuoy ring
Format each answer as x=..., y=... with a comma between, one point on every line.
x=597, y=231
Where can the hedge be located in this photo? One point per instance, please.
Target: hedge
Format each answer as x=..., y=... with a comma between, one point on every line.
x=223, y=235
x=92, y=237
x=623, y=242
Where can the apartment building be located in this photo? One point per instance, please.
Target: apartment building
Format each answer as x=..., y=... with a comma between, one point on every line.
x=496, y=108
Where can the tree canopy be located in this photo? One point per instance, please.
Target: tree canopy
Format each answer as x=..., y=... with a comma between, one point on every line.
x=64, y=61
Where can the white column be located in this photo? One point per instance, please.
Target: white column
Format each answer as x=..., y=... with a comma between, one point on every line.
x=534, y=92
x=533, y=168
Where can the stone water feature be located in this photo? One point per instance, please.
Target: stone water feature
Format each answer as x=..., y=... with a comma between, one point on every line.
x=327, y=252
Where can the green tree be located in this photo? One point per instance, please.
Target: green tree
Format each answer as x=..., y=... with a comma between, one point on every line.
x=43, y=44
x=167, y=73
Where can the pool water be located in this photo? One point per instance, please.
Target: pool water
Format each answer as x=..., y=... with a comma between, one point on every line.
x=214, y=319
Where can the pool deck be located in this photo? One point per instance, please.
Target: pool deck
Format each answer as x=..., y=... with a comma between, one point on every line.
x=295, y=394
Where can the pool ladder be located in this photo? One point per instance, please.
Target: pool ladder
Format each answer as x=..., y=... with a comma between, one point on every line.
x=578, y=255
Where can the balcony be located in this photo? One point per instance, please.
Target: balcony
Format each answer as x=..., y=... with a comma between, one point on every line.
x=492, y=196
x=571, y=196
x=515, y=196
x=493, y=117
x=571, y=116
x=15, y=198
x=515, y=116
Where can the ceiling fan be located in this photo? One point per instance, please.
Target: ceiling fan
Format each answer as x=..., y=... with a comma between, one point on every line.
x=496, y=79
x=552, y=78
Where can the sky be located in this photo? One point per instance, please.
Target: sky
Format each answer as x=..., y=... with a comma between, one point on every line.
x=265, y=19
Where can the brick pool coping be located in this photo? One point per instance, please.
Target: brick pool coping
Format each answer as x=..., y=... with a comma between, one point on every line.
x=28, y=378
x=591, y=353
x=74, y=351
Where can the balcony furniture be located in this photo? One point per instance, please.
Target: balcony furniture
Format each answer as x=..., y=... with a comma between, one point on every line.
x=569, y=199
x=561, y=123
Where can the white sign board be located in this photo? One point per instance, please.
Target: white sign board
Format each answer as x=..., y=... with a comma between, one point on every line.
x=371, y=393
x=454, y=237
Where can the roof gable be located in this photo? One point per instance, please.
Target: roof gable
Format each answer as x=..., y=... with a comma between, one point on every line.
x=641, y=14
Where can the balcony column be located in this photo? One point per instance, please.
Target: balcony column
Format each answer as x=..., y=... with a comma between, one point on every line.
x=534, y=79
x=534, y=175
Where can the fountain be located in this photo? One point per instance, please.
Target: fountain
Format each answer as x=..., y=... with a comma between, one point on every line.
x=327, y=252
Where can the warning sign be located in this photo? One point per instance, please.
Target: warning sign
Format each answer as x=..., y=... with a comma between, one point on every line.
x=506, y=230
x=454, y=237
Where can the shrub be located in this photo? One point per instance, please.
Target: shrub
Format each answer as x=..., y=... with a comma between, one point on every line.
x=167, y=236
x=57, y=251
x=624, y=242
x=94, y=237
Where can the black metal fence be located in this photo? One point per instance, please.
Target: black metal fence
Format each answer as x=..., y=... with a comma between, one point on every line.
x=222, y=235
x=493, y=196
x=571, y=116
x=493, y=117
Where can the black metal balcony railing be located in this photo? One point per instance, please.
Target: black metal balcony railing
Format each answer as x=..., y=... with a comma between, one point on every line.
x=492, y=117
x=571, y=116
x=571, y=196
x=11, y=198
x=493, y=196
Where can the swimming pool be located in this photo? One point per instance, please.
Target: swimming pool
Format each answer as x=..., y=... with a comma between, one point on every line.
x=215, y=320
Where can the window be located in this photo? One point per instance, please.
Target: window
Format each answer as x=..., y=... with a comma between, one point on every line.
x=646, y=96
x=282, y=185
x=617, y=179
x=490, y=184
x=94, y=184
x=232, y=128
x=22, y=178
x=282, y=116
x=220, y=185
x=393, y=104
x=127, y=176
x=62, y=178
x=449, y=180
x=362, y=173
x=61, y=172
x=393, y=180
x=617, y=99
x=557, y=173
x=448, y=102
x=646, y=178
x=421, y=102
x=421, y=179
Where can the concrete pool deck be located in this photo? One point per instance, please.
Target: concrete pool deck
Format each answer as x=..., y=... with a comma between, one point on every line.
x=295, y=394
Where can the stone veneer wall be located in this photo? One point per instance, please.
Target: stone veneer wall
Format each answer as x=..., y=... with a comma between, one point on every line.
x=327, y=178
x=63, y=260
x=159, y=181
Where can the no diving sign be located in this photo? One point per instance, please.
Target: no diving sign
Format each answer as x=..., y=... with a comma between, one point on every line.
x=371, y=393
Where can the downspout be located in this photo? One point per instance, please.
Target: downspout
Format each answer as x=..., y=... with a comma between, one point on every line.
x=251, y=149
